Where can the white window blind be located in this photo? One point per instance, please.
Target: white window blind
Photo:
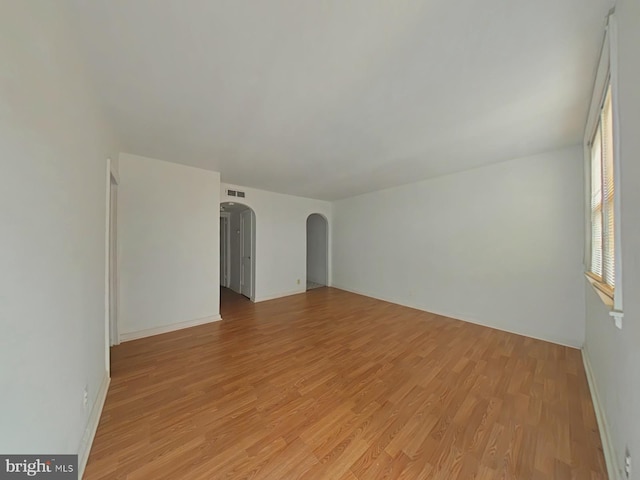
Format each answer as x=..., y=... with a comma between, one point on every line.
x=602, y=195
x=596, y=205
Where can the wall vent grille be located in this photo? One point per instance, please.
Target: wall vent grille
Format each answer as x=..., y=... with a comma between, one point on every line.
x=235, y=193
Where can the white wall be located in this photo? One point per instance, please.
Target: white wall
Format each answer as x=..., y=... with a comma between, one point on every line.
x=499, y=245
x=614, y=355
x=53, y=149
x=281, y=230
x=317, y=248
x=168, y=226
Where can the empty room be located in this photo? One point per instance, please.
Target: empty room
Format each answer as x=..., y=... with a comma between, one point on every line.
x=320, y=240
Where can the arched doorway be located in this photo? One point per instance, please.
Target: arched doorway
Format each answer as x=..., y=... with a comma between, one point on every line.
x=317, y=251
x=237, y=250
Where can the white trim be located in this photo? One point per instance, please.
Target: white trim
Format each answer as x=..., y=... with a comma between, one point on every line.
x=227, y=249
x=599, y=89
x=149, y=332
x=92, y=425
x=605, y=437
x=243, y=254
x=279, y=295
x=114, y=273
x=617, y=318
x=107, y=282
x=601, y=75
x=617, y=194
x=475, y=321
x=111, y=179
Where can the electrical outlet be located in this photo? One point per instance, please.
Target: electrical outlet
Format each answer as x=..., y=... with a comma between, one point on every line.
x=627, y=463
x=85, y=396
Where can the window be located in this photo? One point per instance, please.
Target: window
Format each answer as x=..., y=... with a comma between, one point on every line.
x=602, y=215
x=602, y=265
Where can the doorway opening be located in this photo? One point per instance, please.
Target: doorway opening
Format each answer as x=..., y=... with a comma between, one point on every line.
x=237, y=252
x=317, y=251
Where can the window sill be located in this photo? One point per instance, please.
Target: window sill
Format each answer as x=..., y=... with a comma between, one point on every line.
x=604, y=291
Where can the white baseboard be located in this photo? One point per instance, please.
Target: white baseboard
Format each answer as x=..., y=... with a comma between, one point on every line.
x=279, y=295
x=603, y=426
x=149, y=332
x=92, y=425
x=459, y=317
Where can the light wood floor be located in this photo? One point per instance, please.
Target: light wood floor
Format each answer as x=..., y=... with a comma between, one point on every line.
x=332, y=385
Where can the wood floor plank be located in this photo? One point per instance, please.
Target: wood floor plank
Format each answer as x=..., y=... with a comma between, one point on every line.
x=333, y=385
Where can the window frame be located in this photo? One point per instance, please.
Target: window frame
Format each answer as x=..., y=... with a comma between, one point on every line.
x=597, y=136
x=606, y=77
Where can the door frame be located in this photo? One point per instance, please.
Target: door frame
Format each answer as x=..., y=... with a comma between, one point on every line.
x=252, y=263
x=114, y=298
x=226, y=216
x=112, y=280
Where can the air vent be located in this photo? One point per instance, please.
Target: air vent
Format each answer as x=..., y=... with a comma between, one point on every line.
x=235, y=193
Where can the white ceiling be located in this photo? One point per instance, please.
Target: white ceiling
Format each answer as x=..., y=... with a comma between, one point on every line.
x=332, y=98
